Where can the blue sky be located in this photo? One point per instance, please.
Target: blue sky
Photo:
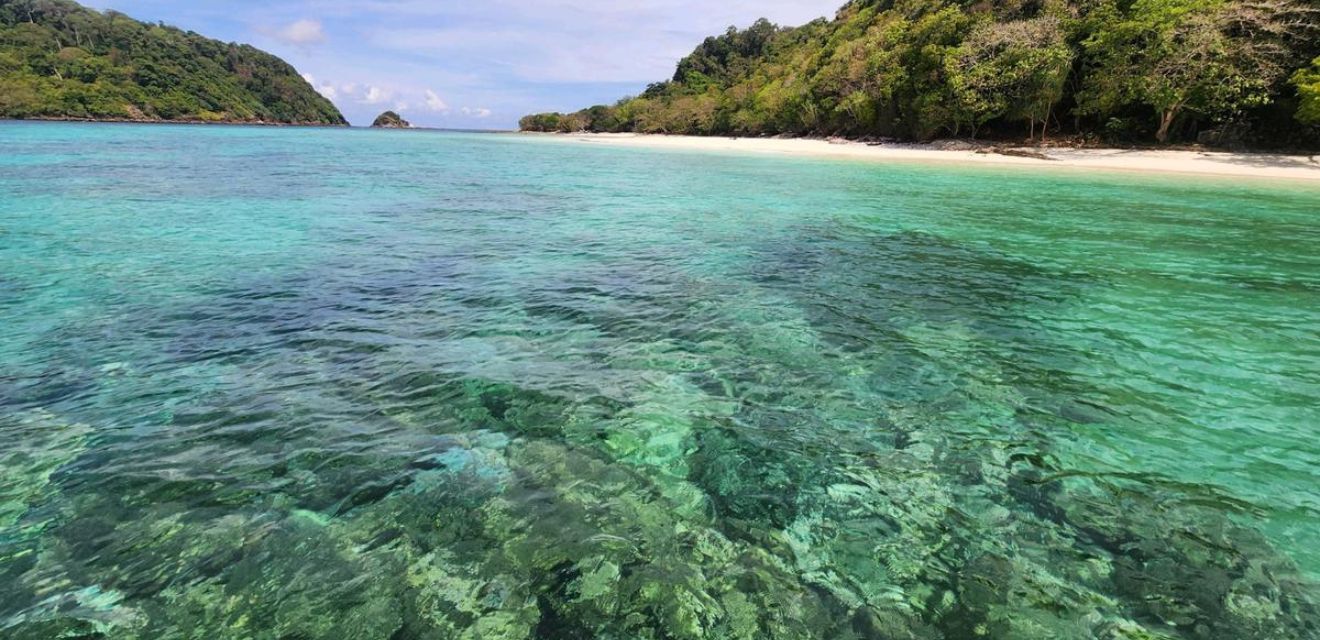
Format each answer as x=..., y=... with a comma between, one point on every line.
x=471, y=63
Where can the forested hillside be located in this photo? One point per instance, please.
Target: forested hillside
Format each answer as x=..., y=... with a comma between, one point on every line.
x=1217, y=71
x=61, y=60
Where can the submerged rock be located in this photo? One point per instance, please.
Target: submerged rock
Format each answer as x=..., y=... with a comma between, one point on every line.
x=38, y=443
x=756, y=471
x=83, y=613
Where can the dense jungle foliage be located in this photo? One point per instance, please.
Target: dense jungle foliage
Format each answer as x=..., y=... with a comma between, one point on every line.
x=59, y=59
x=1216, y=71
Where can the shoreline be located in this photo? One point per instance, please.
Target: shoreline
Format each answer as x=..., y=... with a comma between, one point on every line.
x=1204, y=163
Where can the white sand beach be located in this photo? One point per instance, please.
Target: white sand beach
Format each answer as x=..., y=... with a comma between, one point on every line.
x=1208, y=163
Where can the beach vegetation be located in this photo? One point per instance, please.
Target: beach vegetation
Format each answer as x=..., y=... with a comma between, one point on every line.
x=1308, y=89
x=1157, y=70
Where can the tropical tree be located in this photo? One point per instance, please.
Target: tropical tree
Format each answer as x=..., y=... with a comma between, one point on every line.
x=1307, y=81
x=1012, y=69
x=1212, y=57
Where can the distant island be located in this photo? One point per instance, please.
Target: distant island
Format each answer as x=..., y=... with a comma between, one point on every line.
x=62, y=61
x=1220, y=72
x=391, y=120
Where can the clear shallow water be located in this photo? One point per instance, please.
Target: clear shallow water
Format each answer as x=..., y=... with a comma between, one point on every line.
x=263, y=383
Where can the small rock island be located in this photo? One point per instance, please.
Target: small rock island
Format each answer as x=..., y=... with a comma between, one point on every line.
x=390, y=120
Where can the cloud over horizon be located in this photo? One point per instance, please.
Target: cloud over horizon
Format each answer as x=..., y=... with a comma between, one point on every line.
x=434, y=103
x=301, y=33
x=376, y=95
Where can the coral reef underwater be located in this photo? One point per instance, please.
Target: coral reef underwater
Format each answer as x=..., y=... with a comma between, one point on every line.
x=847, y=443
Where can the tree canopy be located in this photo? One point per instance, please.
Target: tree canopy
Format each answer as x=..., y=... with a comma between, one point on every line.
x=59, y=59
x=1308, y=88
x=1120, y=70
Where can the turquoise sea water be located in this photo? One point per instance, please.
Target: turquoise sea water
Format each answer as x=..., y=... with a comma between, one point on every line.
x=303, y=384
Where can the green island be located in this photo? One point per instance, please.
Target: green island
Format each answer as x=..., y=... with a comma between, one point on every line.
x=1225, y=72
x=62, y=61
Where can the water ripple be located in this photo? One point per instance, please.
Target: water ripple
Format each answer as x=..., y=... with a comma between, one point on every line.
x=407, y=386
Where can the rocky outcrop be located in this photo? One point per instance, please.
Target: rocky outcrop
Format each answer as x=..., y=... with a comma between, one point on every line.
x=390, y=120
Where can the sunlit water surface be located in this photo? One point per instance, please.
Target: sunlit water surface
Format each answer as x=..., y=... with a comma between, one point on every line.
x=303, y=384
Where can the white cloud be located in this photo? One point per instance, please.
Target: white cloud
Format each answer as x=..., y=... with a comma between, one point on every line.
x=350, y=87
x=401, y=106
x=377, y=95
x=435, y=103
x=301, y=33
x=476, y=113
x=327, y=90
x=572, y=41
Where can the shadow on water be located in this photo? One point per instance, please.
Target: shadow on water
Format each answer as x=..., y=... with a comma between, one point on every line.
x=859, y=441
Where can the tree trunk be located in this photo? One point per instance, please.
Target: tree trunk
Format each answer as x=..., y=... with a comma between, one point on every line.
x=58, y=46
x=1166, y=121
